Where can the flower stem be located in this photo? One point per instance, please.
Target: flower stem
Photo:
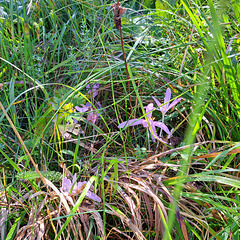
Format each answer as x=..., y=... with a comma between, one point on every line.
x=126, y=66
x=118, y=12
x=162, y=122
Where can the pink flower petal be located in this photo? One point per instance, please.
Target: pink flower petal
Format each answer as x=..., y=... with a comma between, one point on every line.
x=81, y=109
x=74, y=178
x=93, y=90
x=131, y=122
x=175, y=101
x=75, y=120
x=149, y=110
x=66, y=184
x=153, y=132
x=167, y=104
x=167, y=95
x=145, y=123
x=93, y=196
x=157, y=102
x=81, y=185
x=92, y=117
x=162, y=126
x=155, y=135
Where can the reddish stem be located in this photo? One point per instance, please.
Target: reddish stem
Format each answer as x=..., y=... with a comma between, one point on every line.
x=118, y=12
x=125, y=62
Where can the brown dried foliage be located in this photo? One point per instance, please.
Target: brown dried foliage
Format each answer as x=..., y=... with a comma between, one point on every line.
x=136, y=210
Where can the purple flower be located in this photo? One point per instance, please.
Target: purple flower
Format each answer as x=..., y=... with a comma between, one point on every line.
x=148, y=124
x=73, y=187
x=93, y=90
x=82, y=109
x=92, y=115
x=164, y=108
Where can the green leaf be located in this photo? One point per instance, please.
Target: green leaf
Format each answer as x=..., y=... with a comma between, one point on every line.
x=13, y=229
x=160, y=8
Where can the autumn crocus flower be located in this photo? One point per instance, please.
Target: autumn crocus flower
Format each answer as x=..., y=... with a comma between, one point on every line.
x=93, y=90
x=166, y=105
x=72, y=188
x=149, y=123
x=82, y=109
x=92, y=115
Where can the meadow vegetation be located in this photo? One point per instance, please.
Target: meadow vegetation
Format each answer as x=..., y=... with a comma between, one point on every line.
x=119, y=121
